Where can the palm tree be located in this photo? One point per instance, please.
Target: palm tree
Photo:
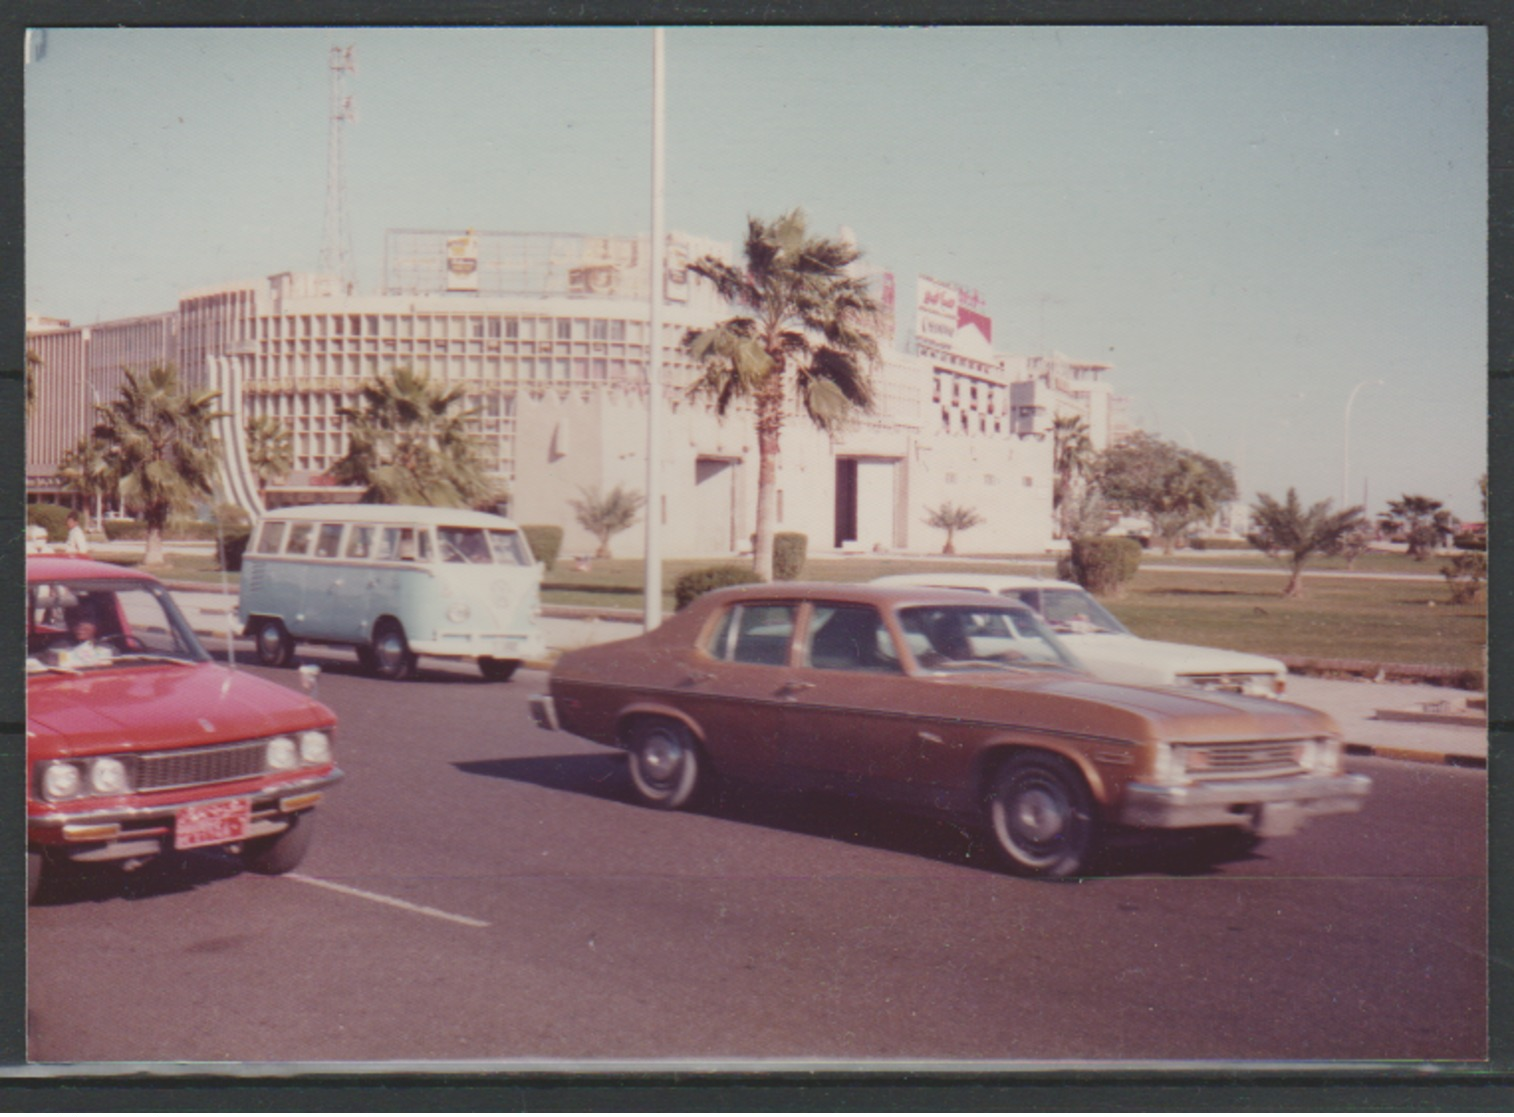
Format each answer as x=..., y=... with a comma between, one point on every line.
x=607, y=515
x=1288, y=529
x=1424, y=521
x=407, y=445
x=802, y=311
x=33, y=371
x=1072, y=458
x=952, y=518
x=270, y=449
x=159, y=448
x=86, y=470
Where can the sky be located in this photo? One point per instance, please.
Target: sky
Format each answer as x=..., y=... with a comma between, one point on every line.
x=1254, y=226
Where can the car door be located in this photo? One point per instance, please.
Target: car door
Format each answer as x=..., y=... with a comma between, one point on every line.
x=847, y=720
x=734, y=687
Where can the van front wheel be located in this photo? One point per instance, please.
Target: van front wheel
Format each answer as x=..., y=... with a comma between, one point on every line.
x=275, y=645
x=390, y=651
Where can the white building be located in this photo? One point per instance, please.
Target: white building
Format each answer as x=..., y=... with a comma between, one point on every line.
x=549, y=336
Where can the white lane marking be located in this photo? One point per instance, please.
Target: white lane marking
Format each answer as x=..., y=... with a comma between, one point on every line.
x=419, y=909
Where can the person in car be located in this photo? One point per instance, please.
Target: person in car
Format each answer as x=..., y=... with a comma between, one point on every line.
x=82, y=647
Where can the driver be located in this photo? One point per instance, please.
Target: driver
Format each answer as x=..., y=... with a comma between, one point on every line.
x=82, y=648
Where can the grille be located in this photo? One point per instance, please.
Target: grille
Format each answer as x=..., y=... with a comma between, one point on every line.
x=1235, y=682
x=1246, y=758
x=156, y=771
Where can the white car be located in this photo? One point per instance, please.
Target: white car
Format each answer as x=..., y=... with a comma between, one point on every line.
x=1107, y=648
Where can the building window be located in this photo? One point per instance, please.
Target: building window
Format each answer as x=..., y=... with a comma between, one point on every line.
x=1030, y=482
x=564, y=329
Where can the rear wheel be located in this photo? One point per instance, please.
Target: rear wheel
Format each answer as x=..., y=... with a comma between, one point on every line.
x=390, y=651
x=281, y=853
x=665, y=764
x=275, y=645
x=497, y=670
x=1042, y=816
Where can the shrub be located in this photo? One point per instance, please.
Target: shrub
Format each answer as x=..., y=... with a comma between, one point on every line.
x=545, y=541
x=1201, y=543
x=708, y=578
x=1465, y=574
x=54, y=517
x=125, y=529
x=789, y=550
x=233, y=534
x=1100, y=565
x=1471, y=541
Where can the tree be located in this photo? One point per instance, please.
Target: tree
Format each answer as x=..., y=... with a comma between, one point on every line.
x=159, y=448
x=1072, y=459
x=803, y=312
x=1287, y=529
x=607, y=515
x=270, y=450
x=1172, y=487
x=406, y=444
x=952, y=518
x=1424, y=523
x=87, y=470
x=33, y=371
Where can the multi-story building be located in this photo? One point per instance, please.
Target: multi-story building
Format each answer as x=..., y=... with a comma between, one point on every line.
x=549, y=336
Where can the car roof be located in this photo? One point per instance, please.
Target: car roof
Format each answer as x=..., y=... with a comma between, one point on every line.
x=869, y=593
x=992, y=582
x=52, y=568
x=402, y=514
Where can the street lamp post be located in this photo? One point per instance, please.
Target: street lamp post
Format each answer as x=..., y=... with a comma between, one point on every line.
x=652, y=588
x=1346, y=443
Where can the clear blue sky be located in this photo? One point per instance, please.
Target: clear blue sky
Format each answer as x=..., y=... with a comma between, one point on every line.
x=1246, y=222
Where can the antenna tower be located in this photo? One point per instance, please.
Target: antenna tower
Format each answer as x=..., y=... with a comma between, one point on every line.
x=336, y=246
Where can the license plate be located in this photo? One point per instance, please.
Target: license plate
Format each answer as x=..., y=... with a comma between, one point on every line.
x=210, y=824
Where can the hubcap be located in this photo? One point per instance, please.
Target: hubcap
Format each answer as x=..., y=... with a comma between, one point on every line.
x=390, y=651
x=1039, y=816
x=660, y=759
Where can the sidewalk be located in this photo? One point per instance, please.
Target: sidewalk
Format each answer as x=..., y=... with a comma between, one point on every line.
x=1354, y=704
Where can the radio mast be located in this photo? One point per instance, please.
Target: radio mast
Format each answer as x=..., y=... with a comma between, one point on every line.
x=336, y=246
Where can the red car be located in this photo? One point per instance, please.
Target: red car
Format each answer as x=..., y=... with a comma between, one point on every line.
x=137, y=743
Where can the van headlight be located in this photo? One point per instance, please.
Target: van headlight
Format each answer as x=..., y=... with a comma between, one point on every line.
x=107, y=776
x=281, y=753
x=458, y=612
x=315, y=747
x=60, y=780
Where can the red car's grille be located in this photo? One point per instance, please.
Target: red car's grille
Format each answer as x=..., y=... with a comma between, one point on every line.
x=156, y=771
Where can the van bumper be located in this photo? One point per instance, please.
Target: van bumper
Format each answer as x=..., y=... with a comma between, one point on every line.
x=471, y=646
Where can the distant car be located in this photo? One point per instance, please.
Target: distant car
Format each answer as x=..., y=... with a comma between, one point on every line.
x=138, y=744
x=1110, y=650
x=945, y=702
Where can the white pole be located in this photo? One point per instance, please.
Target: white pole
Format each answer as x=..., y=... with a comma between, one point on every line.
x=1346, y=445
x=652, y=587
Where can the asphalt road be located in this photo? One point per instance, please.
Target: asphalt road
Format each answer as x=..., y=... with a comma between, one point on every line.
x=484, y=890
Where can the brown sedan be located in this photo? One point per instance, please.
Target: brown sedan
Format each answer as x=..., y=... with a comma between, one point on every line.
x=946, y=703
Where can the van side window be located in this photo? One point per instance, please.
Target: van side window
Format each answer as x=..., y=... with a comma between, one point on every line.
x=328, y=543
x=270, y=535
x=360, y=541
x=298, y=541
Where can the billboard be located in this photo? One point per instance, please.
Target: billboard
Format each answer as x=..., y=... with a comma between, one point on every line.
x=462, y=262
x=952, y=318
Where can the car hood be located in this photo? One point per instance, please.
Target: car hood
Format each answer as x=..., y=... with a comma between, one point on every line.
x=1158, y=660
x=1176, y=714
x=161, y=706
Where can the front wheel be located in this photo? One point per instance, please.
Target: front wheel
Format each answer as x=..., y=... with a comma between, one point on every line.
x=665, y=764
x=497, y=670
x=281, y=853
x=390, y=652
x=275, y=645
x=1042, y=816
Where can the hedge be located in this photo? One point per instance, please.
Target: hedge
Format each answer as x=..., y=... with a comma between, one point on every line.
x=1200, y=543
x=176, y=529
x=708, y=578
x=1100, y=564
x=789, y=551
x=545, y=541
x=54, y=517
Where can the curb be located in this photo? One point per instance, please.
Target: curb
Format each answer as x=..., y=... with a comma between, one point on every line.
x=1418, y=756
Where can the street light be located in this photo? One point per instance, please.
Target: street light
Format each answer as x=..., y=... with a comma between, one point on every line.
x=1346, y=442
x=652, y=579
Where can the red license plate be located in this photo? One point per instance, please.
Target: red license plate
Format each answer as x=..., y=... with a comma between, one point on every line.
x=210, y=824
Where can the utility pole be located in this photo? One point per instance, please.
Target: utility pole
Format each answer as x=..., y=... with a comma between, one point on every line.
x=336, y=245
x=652, y=588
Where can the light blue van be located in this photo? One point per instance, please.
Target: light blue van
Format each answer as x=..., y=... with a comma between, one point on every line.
x=395, y=582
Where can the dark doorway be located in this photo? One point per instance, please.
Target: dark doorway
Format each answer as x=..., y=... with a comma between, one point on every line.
x=846, y=500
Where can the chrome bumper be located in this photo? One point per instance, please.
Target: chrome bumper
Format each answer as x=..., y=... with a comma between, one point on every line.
x=1271, y=808
x=544, y=711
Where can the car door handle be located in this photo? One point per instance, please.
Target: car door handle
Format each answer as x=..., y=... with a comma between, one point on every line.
x=697, y=677
x=795, y=686
x=929, y=738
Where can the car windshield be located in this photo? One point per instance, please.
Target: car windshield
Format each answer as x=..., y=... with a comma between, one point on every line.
x=87, y=625
x=482, y=545
x=1075, y=612
x=963, y=637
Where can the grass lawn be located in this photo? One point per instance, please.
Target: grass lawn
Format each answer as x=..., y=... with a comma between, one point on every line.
x=1208, y=602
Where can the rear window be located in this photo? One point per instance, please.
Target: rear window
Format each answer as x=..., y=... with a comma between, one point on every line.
x=755, y=634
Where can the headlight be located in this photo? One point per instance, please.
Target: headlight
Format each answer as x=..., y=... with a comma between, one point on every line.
x=315, y=747
x=60, y=781
x=1330, y=754
x=107, y=776
x=1167, y=764
x=282, y=753
x=1307, y=754
x=458, y=612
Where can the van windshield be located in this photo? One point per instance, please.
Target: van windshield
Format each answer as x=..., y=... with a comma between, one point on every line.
x=482, y=545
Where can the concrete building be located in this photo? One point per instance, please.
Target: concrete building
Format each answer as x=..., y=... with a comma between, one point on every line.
x=548, y=334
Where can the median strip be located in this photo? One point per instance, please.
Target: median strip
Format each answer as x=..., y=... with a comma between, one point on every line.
x=418, y=909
